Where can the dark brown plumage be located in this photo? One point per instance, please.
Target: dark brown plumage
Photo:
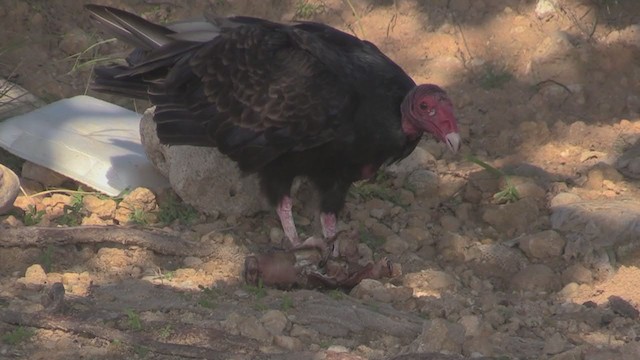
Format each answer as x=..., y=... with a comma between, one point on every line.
x=281, y=100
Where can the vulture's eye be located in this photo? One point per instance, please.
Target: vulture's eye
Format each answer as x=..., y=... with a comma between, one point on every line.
x=424, y=106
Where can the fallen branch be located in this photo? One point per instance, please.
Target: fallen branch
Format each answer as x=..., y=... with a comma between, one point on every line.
x=133, y=339
x=155, y=240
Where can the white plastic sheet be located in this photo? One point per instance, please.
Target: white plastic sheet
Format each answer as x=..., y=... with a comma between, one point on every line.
x=86, y=139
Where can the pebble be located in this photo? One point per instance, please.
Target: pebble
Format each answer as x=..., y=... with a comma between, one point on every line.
x=54, y=206
x=450, y=223
x=102, y=208
x=425, y=183
x=276, y=235
x=138, y=199
x=300, y=331
x=252, y=328
x=512, y=218
x=555, y=344
x=535, y=277
x=192, y=261
x=439, y=335
x=374, y=289
x=395, y=245
x=569, y=290
x=275, y=322
x=564, y=198
x=623, y=307
x=543, y=245
x=35, y=275
x=577, y=273
x=429, y=280
x=452, y=246
x=471, y=324
x=418, y=234
x=288, y=343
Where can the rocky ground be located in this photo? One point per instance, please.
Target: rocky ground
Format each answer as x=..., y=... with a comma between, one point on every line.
x=535, y=261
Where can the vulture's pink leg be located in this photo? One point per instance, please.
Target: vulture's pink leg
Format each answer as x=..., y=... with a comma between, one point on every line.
x=328, y=222
x=286, y=219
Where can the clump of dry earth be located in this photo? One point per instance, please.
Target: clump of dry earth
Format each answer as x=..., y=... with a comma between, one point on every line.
x=546, y=91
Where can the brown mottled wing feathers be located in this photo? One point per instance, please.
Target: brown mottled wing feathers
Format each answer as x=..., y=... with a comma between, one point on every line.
x=272, y=94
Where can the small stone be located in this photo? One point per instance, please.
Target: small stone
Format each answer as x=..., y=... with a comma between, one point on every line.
x=428, y=282
x=622, y=307
x=340, y=349
x=536, y=277
x=288, y=343
x=54, y=205
x=252, y=328
x=425, y=183
x=471, y=324
x=365, y=288
x=140, y=199
x=577, y=273
x=232, y=323
x=554, y=345
x=379, y=229
x=192, y=261
x=365, y=253
x=395, y=245
x=595, y=178
x=452, y=246
x=103, y=208
x=275, y=322
x=545, y=9
x=378, y=213
x=374, y=289
x=300, y=331
x=543, y=245
x=41, y=174
x=569, y=290
x=420, y=236
x=564, y=198
x=94, y=219
x=439, y=335
x=450, y=223
x=276, y=235
x=11, y=221
x=529, y=189
x=512, y=218
x=35, y=275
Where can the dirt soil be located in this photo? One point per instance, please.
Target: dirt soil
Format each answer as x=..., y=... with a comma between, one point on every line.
x=547, y=91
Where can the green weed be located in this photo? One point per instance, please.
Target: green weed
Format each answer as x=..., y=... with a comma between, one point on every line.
x=286, y=302
x=46, y=258
x=172, y=210
x=494, y=77
x=506, y=195
x=17, y=336
x=33, y=216
x=374, y=242
x=134, y=320
x=306, y=10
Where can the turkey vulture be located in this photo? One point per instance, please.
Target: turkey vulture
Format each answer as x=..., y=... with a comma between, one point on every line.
x=282, y=101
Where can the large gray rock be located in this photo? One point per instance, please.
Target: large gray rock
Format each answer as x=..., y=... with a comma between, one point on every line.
x=9, y=188
x=602, y=223
x=202, y=177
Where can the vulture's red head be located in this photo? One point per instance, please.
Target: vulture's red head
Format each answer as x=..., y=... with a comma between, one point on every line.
x=428, y=108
